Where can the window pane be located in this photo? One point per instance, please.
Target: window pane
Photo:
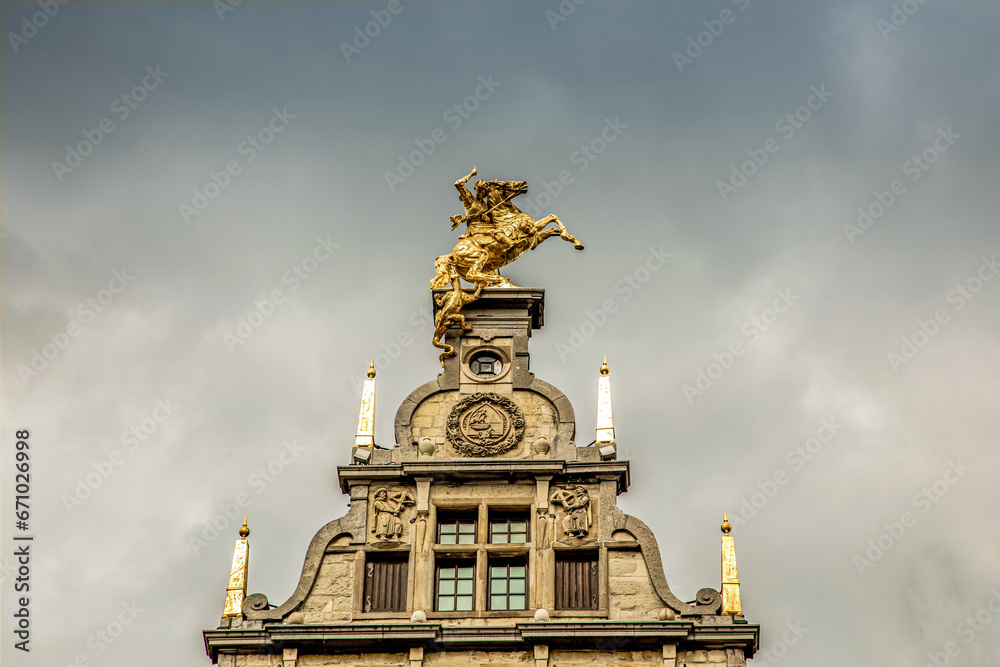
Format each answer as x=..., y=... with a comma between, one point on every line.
x=508, y=585
x=512, y=530
x=455, y=587
x=456, y=530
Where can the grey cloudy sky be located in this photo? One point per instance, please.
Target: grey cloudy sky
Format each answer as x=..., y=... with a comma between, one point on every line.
x=741, y=137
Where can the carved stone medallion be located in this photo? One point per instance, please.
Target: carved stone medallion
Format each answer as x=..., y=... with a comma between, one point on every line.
x=485, y=424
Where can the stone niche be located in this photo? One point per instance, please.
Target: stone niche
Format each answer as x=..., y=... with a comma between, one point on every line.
x=573, y=514
x=449, y=417
x=391, y=510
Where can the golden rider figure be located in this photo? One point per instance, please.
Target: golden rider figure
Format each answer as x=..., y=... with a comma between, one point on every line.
x=477, y=212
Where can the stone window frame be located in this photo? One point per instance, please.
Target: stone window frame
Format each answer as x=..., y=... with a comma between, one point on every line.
x=603, y=580
x=498, y=516
x=456, y=563
x=457, y=517
x=482, y=552
x=360, y=561
x=373, y=561
x=507, y=562
x=505, y=364
x=593, y=556
x=488, y=355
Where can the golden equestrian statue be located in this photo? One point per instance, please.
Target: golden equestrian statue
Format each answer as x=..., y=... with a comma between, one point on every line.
x=497, y=233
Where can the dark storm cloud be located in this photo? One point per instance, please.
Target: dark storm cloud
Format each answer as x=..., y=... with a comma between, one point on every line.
x=347, y=119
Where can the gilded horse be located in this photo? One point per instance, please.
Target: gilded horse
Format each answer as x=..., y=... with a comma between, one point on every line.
x=478, y=253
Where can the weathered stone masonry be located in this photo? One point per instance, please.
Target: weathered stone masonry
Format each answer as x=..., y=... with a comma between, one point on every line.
x=520, y=558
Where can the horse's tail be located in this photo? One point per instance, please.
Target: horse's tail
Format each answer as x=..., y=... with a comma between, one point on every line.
x=449, y=350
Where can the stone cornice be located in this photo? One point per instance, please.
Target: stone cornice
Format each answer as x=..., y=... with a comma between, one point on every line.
x=481, y=469
x=580, y=635
x=531, y=300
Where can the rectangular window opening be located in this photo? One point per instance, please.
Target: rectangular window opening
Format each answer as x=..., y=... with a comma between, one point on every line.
x=455, y=585
x=509, y=527
x=576, y=581
x=385, y=583
x=508, y=584
x=456, y=528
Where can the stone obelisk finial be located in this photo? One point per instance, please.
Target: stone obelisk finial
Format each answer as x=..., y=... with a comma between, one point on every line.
x=364, y=439
x=605, y=433
x=237, y=589
x=730, y=580
x=366, y=418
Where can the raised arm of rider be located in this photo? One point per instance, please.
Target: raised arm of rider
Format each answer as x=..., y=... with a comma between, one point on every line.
x=464, y=194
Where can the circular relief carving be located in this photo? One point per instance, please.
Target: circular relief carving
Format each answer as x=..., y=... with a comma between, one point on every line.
x=485, y=424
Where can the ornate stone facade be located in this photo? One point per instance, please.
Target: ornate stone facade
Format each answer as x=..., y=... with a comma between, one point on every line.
x=485, y=537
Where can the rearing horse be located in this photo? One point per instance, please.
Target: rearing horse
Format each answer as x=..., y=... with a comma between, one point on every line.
x=477, y=256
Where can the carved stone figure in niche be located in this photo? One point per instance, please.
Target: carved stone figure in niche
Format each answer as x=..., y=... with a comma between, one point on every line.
x=388, y=525
x=576, y=502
